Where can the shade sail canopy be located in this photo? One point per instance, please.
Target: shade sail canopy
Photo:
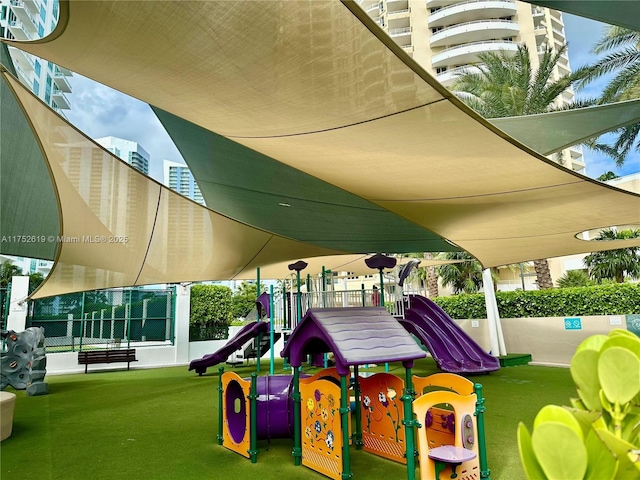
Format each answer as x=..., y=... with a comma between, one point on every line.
x=315, y=92
x=28, y=206
x=547, y=133
x=118, y=227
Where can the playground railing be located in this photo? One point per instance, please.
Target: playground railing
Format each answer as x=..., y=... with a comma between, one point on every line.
x=285, y=307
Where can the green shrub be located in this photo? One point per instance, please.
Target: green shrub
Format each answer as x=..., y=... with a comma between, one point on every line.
x=211, y=305
x=612, y=299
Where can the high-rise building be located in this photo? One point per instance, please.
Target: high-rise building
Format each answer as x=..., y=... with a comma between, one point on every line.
x=30, y=20
x=446, y=36
x=178, y=177
x=130, y=152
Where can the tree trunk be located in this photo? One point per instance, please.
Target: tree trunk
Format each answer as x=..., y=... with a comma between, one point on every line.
x=432, y=277
x=543, y=274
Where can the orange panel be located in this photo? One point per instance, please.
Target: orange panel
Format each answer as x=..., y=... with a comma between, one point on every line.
x=382, y=414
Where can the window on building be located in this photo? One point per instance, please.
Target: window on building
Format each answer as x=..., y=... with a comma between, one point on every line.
x=43, y=13
x=36, y=86
x=40, y=30
x=3, y=13
x=37, y=67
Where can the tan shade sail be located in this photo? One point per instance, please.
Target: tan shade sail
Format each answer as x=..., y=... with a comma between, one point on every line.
x=318, y=87
x=119, y=227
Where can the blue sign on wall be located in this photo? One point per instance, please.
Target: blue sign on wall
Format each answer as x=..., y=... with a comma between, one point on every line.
x=572, y=323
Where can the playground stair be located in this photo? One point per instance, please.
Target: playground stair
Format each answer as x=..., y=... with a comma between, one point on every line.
x=265, y=344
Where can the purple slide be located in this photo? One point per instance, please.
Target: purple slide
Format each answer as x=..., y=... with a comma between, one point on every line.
x=451, y=347
x=248, y=332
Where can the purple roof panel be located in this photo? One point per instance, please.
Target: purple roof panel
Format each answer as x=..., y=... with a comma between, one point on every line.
x=356, y=336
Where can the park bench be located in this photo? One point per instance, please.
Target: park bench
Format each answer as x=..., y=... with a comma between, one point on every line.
x=89, y=357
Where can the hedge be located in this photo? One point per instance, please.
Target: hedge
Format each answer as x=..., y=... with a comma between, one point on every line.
x=611, y=299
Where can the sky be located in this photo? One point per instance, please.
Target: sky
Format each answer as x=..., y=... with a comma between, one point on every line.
x=100, y=111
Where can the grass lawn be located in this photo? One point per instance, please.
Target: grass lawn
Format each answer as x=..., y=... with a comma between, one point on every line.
x=162, y=424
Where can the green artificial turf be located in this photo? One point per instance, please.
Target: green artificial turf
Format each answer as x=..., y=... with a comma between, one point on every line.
x=162, y=424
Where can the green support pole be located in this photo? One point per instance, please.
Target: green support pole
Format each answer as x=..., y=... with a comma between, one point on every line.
x=324, y=288
x=220, y=400
x=129, y=319
x=298, y=299
x=386, y=364
x=344, y=413
x=357, y=436
x=409, y=425
x=485, y=473
x=258, y=292
x=258, y=352
x=271, y=332
x=297, y=440
x=323, y=291
x=82, y=324
x=253, y=419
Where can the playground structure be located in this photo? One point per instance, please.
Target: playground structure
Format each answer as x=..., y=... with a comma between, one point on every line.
x=451, y=347
x=314, y=410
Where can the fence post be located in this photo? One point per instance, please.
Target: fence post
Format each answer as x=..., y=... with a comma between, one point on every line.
x=82, y=322
x=220, y=400
x=128, y=318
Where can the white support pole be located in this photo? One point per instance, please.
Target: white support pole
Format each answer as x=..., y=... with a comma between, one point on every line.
x=487, y=283
x=17, y=318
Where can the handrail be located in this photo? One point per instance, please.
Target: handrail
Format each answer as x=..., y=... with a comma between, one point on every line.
x=448, y=7
x=450, y=27
x=480, y=42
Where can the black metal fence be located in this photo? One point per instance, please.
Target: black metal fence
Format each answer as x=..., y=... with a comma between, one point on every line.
x=105, y=319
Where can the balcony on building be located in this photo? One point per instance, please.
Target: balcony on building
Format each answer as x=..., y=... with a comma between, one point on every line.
x=472, y=10
x=23, y=15
x=19, y=30
x=22, y=59
x=60, y=99
x=397, y=22
x=367, y=5
x=474, y=31
x=468, y=53
x=440, y=3
x=32, y=6
x=397, y=6
x=447, y=76
x=60, y=79
x=402, y=36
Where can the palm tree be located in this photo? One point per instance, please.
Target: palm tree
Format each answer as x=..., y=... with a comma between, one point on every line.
x=508, y=86
x=7, y=271
x=623, y=60
x=461, y=277
x=606, y=176
x=427, y=275
x=615, y=264
x=574, y=278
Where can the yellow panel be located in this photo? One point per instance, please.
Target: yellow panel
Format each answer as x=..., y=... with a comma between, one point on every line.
x=321, y=428
x=451, y=381
x=242, y=447
x=461, y=405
